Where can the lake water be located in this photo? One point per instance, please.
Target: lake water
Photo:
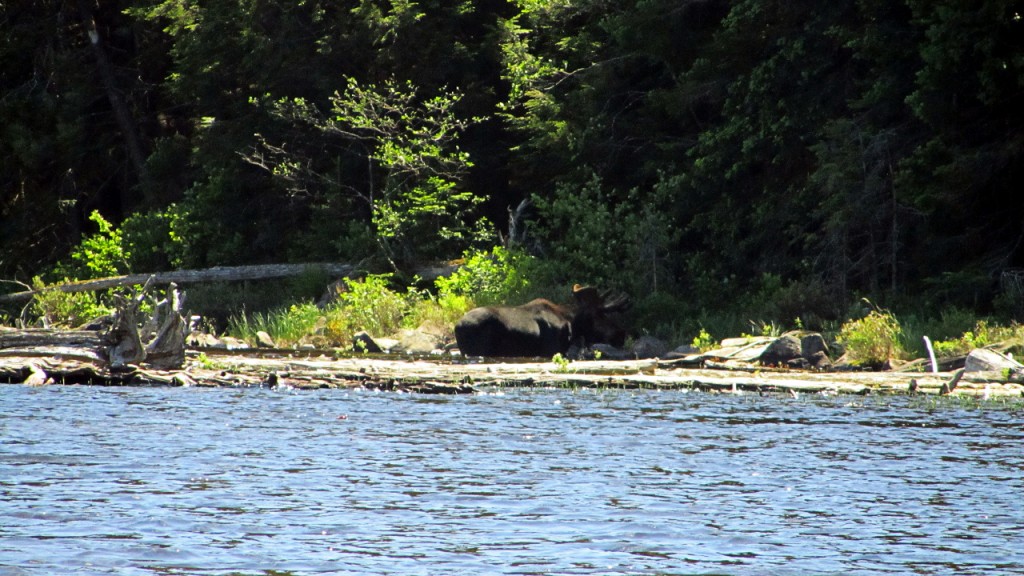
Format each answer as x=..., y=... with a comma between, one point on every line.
x=176, y=481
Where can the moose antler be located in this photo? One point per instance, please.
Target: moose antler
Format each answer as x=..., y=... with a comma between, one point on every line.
x=590, y=298
x=618, y=303
x=587, y=296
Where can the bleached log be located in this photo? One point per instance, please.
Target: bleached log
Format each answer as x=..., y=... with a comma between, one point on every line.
x=215, y=274
x=15, y=338
x=220, y=274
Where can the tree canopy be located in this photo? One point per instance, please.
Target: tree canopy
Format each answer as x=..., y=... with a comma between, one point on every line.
x=804, y=153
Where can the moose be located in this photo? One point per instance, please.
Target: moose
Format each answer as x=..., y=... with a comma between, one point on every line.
x=541, y=327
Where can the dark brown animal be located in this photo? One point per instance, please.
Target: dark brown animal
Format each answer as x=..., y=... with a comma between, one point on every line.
x=541, y=327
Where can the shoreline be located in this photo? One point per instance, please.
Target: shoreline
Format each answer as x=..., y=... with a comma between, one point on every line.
x=447, y=375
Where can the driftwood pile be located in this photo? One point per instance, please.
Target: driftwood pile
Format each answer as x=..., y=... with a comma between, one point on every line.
x=117, y=343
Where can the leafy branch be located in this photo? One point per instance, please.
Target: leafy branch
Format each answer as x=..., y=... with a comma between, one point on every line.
x=409, y=145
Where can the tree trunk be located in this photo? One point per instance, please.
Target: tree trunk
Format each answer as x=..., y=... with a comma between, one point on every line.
x=132, y=140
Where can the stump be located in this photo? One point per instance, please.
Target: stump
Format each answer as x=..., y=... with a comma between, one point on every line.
x=121, y=347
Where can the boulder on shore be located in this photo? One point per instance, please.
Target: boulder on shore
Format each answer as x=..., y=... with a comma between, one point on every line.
x=649, y=347
x=363, y=342
x=417, y=342
x=263, y=340
x=781, y=351
x=797, y=350
x=406, y=342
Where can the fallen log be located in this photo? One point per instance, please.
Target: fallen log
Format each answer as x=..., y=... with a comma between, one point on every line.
x=16, y=338
x=222, y=274
x=215, y=274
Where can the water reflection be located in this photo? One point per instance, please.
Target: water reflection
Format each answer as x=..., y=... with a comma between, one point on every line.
x=194, y=481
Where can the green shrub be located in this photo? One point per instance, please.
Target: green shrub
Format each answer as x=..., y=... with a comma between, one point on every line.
x=983, y=334
x=597, y=234
x=372, y=305
x=65, y=309
x=98, y=255
x=765, y=328
x=664, y=315
x=806, y=302
x=152, y=240
x=725, y=323
x=703, y=341
x=437, y=314
x=948, y=348
x=872, y=340
x=947, y=327
x=367, y=304
x=490, y=277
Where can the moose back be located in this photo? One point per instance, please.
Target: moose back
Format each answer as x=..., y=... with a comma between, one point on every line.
x=541, y=327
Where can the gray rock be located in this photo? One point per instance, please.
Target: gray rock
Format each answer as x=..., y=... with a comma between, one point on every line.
x=203, y=340
x=388, y=345
x=686, y=350
x=746, y=349
x=781, y=351
x=263, y=340
x=683, y=352
x=602, y=352
x=226, y=342
x=417, y=342
x=819, y=361
x=812, y=344
x=649, y=347
x=798, y=363
x=230, y=343
x=363, y=342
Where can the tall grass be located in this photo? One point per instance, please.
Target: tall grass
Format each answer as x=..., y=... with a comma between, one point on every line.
x=288, y=326
x=369, y=305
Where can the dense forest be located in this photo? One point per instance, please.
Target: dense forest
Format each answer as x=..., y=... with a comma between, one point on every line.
x=789, y=157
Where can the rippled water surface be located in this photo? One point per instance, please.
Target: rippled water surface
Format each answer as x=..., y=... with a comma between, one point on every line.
x=168, y=481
